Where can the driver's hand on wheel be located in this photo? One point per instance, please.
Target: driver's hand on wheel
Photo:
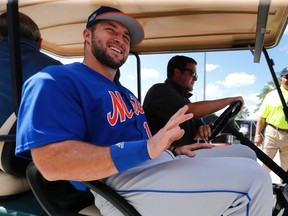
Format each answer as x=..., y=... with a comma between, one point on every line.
x=238, y=98
x=189, y=149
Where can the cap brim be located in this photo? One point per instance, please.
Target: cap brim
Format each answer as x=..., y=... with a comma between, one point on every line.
x=134, y=27
x=283, y=74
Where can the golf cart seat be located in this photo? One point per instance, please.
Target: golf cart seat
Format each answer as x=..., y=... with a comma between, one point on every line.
x=40, y=188
x=59, y=197
x=12, y=169
x=13, y=181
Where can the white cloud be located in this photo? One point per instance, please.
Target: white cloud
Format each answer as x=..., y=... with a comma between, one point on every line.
x=213, y=91
x=284, y=48
x=128, y=60
x=144, y=91
x=149, y=73
x=130, y=76
x=252, y=115
x=252, y=97
x=286, y=30
x=238, y=79
x=211, y=67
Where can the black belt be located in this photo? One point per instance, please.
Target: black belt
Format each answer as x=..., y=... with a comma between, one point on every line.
x=279, y=129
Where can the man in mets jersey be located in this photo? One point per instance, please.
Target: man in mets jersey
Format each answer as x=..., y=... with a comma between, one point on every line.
x=77, y=123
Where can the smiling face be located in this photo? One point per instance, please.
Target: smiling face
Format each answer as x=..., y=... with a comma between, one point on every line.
x=110, y=43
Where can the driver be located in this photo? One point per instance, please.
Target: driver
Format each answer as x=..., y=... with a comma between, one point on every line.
x=164, y=99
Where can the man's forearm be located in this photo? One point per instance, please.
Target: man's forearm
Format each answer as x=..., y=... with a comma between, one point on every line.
x=259, y=126
x=73, y=160
x=203, y=108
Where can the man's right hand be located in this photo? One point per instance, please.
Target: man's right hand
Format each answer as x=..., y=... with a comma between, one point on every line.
x=258, y=140
x=238, y=98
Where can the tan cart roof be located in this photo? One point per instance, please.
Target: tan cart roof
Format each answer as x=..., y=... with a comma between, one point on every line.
x=170, y=25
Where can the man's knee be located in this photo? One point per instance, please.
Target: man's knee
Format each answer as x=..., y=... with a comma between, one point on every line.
x=247, y=152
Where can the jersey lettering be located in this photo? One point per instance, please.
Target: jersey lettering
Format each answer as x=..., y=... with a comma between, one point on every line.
x=119, y=109
x=136, y=105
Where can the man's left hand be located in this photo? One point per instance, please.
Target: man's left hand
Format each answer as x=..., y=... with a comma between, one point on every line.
x=189, y=149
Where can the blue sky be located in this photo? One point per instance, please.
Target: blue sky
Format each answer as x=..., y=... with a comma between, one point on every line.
x=230, y=73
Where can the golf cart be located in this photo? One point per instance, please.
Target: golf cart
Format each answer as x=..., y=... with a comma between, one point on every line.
x=186, y=26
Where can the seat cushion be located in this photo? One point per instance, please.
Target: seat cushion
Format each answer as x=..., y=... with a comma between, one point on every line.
x=91, y=210
x=10, y=185
x=4, y=130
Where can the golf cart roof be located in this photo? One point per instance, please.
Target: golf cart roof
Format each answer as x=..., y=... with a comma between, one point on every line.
x=170, y=26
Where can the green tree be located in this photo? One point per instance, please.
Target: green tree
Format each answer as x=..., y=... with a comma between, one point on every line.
x=244, y=113
x=267, y=88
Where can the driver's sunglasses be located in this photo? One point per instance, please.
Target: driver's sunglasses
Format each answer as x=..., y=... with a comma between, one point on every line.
x=193, y=73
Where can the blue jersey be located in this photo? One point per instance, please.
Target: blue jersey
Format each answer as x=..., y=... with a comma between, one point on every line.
x=74, y=102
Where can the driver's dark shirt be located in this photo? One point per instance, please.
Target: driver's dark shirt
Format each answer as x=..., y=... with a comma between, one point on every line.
x=162, y=101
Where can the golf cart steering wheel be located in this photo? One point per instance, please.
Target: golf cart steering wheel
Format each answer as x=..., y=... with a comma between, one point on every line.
x=225, y=118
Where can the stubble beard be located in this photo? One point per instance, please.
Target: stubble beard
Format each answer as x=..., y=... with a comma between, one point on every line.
x=103, y=57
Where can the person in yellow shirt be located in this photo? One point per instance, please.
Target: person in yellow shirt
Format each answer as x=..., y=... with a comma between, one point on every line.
x=276, y=131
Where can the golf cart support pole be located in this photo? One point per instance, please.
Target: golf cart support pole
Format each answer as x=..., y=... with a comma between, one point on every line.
x=138, y=62
x=15, y=56
x=260, y=154
x=270, y=64
x=15, y=53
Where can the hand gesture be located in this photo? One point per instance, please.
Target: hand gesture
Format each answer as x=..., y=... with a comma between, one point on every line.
x=169, y=133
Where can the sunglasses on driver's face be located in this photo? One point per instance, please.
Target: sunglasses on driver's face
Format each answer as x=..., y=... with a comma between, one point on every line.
x=286, y=76
x=193, y=73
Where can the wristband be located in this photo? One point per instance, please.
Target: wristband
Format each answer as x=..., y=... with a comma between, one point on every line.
x=257, y=135
x=126, y=155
